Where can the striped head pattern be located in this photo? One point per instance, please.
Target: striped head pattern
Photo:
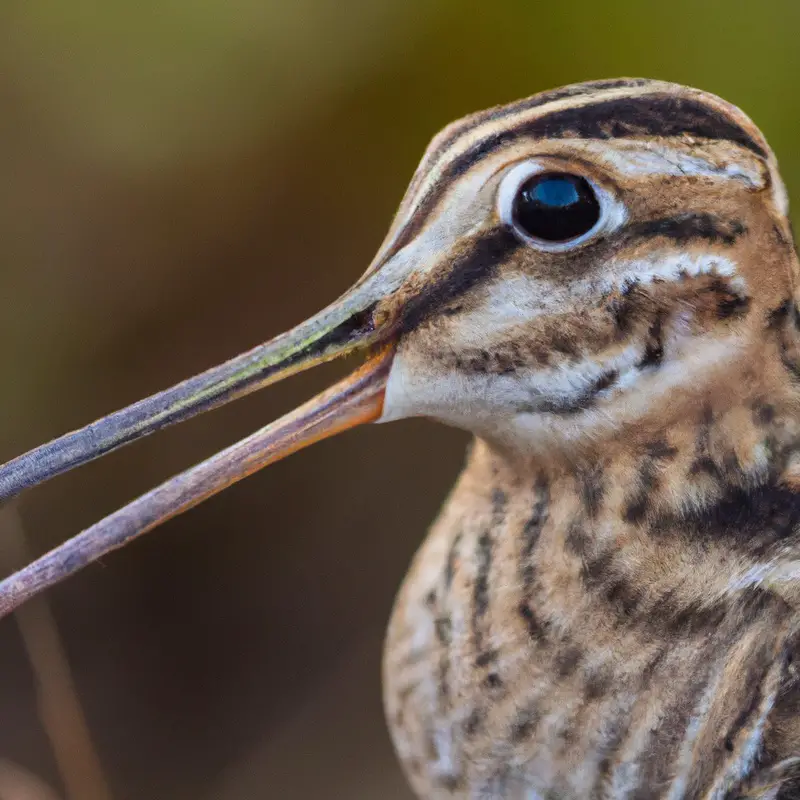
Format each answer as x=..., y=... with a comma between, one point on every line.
x=536, y=336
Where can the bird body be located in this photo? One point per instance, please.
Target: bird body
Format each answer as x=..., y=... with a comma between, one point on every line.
x=607, y=606
x=543, y=645
x=600, y=283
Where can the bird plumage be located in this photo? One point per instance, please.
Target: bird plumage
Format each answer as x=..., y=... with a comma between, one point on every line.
x=608, y=604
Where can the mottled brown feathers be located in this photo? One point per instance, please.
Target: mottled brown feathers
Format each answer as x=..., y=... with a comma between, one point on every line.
x=609, y=603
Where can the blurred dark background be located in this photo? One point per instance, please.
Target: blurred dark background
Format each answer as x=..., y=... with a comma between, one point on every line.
x=178, y=182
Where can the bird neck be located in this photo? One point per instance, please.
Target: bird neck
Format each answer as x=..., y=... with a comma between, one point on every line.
x=641, y=601
x=708, y=486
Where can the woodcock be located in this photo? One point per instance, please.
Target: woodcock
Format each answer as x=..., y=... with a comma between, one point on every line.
x=600, y=283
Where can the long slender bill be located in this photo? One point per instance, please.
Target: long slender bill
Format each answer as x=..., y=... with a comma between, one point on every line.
x=343, y=327
x=353, y=401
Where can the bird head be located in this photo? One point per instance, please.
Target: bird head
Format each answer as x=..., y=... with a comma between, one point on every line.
x=571, y=261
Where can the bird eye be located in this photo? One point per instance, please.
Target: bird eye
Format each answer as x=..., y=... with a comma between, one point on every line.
x=557, y=210
x=555, y=207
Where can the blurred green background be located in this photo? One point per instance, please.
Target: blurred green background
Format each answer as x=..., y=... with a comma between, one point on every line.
x=180, y=180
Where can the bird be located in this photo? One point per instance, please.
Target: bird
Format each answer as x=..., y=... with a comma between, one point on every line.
x=600, y=283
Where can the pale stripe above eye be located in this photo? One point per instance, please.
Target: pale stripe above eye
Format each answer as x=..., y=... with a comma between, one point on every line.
x=639, y=158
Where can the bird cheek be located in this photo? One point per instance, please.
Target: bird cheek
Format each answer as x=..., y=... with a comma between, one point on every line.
x=402, y=397
x=420, y=386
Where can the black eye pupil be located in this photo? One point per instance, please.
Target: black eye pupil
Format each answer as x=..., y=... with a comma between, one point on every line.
x=556, y=207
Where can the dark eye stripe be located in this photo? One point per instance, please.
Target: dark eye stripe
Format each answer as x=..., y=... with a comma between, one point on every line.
x=479, y=259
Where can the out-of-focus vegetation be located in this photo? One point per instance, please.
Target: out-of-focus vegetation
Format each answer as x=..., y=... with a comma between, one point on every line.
x=180, y=180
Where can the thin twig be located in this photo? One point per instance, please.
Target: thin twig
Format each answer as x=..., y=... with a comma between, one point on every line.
x=59, y=707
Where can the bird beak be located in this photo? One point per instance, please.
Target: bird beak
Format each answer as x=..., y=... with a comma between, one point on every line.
x=351, y=324
x=346, y=326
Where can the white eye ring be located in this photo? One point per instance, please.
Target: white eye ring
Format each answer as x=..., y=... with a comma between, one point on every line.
x=612, y=212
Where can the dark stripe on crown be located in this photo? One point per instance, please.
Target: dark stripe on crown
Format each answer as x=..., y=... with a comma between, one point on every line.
x=534, y=101
x=625, y=117
x=573, y=90
x=644, y=115
x=654, y=114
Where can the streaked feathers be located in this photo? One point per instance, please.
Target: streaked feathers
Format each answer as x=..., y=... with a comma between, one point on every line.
x=607, y=605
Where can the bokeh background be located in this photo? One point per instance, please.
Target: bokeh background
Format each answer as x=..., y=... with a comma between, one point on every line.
x=180, y=180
